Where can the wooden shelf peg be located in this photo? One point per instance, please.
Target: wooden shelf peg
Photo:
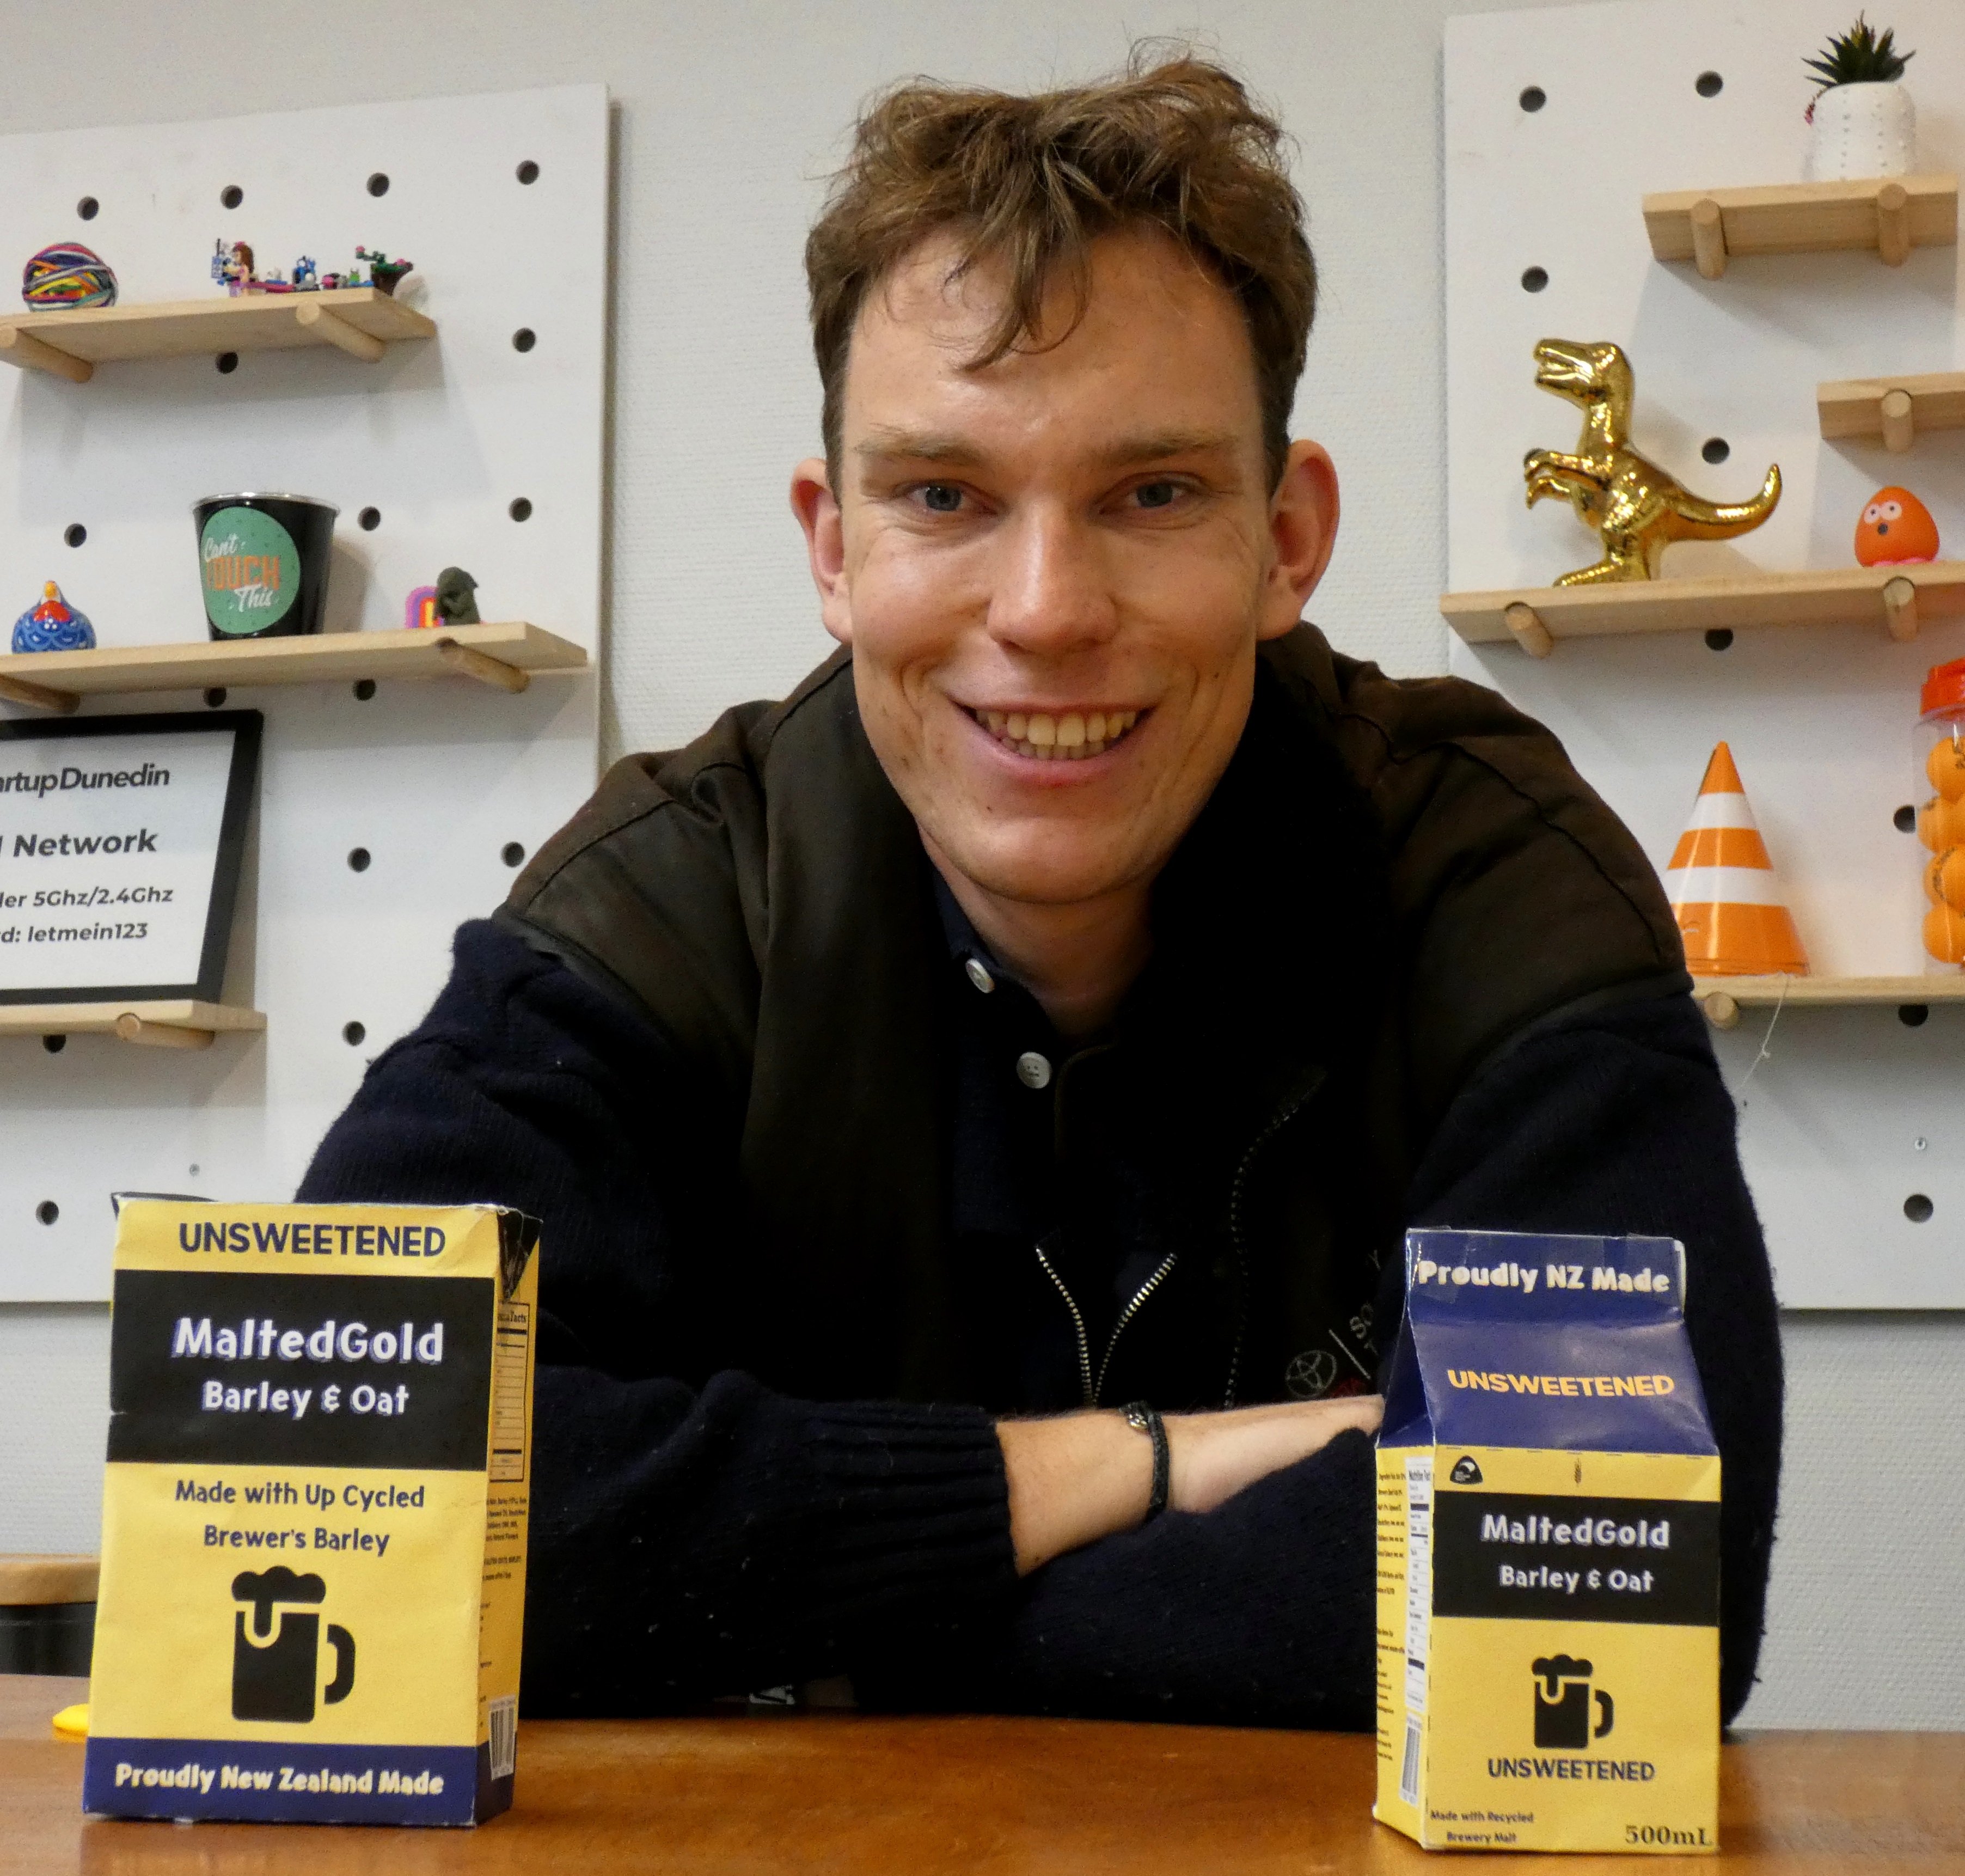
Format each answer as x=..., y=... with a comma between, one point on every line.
x=1899, y=426
x=24, y=350
x=337, y=331
x=1900, y=608
x=38, y=696
x=1892, y=224
x=1530, y=633
x=1709, y=239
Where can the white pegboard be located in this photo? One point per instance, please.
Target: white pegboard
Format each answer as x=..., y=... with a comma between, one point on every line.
x=433, y=778
x=1847, y=1112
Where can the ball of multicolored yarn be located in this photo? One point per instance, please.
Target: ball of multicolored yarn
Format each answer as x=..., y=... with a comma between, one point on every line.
x=67, y=274
x=52, y=626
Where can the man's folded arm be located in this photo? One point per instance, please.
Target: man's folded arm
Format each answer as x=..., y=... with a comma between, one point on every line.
x=1262, y=1611
x=686, y=1540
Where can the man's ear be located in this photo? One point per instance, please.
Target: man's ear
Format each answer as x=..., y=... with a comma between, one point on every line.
x=1303, y=529
x=818, y=511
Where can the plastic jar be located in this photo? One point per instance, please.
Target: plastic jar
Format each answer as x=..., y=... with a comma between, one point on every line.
x=1940, y=822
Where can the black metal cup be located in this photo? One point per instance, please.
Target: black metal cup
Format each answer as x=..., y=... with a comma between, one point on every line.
x=263, y=563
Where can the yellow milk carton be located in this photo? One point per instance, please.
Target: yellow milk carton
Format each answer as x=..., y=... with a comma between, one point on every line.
x=1549, y=1551
x=313, y=1522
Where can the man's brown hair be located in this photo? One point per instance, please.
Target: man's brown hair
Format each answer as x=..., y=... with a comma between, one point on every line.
x=1031, y=182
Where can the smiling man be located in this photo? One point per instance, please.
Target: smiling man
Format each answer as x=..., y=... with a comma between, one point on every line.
x=975, y=1103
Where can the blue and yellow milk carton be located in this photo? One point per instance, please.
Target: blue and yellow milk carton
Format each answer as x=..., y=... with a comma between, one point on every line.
x=1549, y=1551
x=314, y=1513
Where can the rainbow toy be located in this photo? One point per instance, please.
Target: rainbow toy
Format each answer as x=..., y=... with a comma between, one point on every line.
x=67, y=274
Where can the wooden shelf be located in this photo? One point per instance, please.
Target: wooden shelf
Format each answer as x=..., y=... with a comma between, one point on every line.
x=364, y=321
x=1895, y=409
x=178, y=1024
x=1895, y=600
x=503, y=655
x=1892, y=214
x=1723, y=999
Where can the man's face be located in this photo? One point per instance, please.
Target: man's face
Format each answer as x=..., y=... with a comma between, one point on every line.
x=1054, y=571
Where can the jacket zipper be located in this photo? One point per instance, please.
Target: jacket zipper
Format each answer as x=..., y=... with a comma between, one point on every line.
x=1236, y=1192
x=1093, y=1389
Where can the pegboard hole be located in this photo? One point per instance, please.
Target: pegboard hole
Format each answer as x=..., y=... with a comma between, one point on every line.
x=1534, y=279
x=1708, y=84
x=529, y=170
x=54, y=1044
x=214, y=699
x=363, y=689
x=511, y=853
x=47, y=1211
x=1918, y=1208
x=1715, y=449
x=354, y=1035
x=75, y=534
x=357, y=859
x=378, y=184
x=1913, y=1015
x=88, y=208
x=1904, y=820
x=1720, y=638
x=228, y=361
x=524, y=338
x=370, y=519
x=521, y=510
x=231, y=195
x=1534, y=97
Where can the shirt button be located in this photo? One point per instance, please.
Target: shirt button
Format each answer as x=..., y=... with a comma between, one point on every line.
x=979, y=976
x=1033, y=1069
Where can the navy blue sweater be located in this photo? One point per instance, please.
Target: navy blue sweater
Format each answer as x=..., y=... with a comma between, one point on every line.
x=696, y=1534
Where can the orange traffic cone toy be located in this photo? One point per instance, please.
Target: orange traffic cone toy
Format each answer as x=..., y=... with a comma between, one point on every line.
x=1722, y=886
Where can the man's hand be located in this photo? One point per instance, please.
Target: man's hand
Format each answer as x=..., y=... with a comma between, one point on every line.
x=1083, y=1476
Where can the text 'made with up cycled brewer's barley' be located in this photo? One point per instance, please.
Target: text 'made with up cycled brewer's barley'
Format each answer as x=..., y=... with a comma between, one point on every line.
x=314, y=1513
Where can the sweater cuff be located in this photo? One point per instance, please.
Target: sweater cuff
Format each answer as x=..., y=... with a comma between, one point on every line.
x=915, y=1511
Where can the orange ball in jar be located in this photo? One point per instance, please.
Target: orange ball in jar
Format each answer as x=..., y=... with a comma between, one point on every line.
x=1944, y=934
x=1944, y=879
x=1941, y=824
x=1945, y=765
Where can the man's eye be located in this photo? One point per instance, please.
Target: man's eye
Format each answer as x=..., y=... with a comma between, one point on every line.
x=941, y=498
x=1157, y=495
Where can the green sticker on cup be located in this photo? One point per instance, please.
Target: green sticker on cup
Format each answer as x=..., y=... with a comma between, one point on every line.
x=252, y=571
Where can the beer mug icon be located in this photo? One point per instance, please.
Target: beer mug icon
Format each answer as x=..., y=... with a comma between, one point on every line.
x=273, y=1673
x=1562, y=1698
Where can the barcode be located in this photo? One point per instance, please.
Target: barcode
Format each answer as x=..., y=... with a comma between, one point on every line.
x=504, y=1735
x=1409, y=1768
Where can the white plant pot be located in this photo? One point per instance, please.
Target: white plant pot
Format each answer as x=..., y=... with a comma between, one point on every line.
x=1863, y=131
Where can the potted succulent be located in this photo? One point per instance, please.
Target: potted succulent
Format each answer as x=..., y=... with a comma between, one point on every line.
x=1863, y=122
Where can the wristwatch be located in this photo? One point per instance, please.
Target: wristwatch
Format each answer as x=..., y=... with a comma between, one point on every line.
x=1143, y=1419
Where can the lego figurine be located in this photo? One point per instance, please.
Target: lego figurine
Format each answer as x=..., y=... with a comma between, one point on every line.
x=232, y=268
x=383, y=272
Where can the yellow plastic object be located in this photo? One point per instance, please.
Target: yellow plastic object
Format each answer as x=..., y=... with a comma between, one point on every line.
x=71, y=1722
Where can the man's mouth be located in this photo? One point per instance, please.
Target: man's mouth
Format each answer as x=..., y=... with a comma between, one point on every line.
x=1069, y=736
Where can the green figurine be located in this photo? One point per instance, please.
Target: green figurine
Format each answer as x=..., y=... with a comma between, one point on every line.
x=456, y=600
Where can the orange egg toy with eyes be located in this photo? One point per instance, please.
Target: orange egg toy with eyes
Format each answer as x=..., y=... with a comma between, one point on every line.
x=1896, y=527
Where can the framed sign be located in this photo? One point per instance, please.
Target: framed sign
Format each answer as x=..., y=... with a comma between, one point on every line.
x=121, y=838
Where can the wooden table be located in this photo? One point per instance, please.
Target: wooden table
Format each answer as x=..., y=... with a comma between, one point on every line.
x=861, y=1795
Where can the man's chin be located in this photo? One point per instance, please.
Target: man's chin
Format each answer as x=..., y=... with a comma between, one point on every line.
x=1041, y=875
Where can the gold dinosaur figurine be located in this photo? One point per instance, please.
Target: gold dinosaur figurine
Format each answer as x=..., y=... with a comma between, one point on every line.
x=1637, y=508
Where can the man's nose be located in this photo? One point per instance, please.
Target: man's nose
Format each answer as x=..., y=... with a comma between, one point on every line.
x=1051, y=593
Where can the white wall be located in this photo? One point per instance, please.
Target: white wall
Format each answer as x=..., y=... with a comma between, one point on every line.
x=728, y=117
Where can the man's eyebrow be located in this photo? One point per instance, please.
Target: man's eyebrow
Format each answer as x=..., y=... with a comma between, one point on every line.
x=928, y=446
x=916, y=446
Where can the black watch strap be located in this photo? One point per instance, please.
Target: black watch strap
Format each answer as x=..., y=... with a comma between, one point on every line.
x=1146, y=1420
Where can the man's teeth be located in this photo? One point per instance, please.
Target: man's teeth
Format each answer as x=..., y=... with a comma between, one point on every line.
x=1067, y=738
